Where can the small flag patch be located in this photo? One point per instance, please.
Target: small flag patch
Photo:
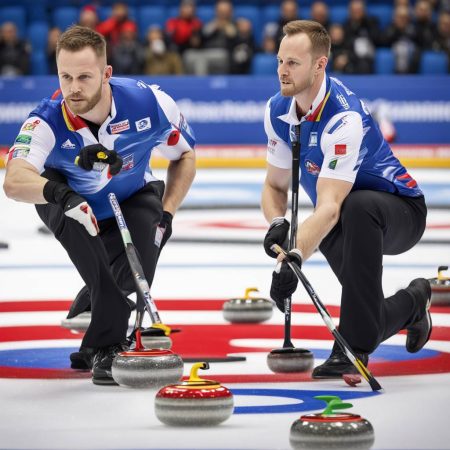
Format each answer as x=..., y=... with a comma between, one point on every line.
x=340, y=149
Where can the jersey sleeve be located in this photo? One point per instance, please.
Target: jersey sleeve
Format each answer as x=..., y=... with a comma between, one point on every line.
x=341, y=145
x=34, y=143
x=181, y=138
x=279, y=153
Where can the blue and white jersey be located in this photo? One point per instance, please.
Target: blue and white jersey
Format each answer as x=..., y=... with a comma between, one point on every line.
x=339, y=139
x=142, y=118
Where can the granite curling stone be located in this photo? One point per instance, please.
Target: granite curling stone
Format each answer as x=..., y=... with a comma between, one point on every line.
x=248, y=309
x=440, y=288
x=80, y=322
x=195, y=402
x=156, y=336
x=332, y=430
x=146, y=368
x=290, y=360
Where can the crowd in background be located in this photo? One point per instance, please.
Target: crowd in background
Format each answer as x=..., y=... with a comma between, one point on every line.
x=227, y=44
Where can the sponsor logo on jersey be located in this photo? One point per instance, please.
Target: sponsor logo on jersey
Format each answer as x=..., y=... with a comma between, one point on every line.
x=332, y=164
x=182, y=125
x=119, y=126
x=312, y=139
x=30, y=126
x=68, y=145
x=19, y=151
x=128, y=162
x=343, y=101
x=312, y=167
x=340, y=149
x=143, y=124
x=23, y=139
x=142, y=84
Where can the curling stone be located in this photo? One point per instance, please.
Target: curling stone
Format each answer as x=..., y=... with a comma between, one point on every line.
x=142, y=368
x=332, y=430
x=156, y=336
x=290, y=360
x=195, y=402
x=248, y=309
x=440, y=288
x=78, y=323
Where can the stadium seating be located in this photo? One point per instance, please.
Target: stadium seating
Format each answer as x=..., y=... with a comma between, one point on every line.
x=37, y=36
x=382, y=12
x=384, y=61
x=338, y=14
x=64, y=16
x=264, y=64
x=16, y=14
x=39, y=64
x=205, y=13
x=150, y=15
x=433, y=63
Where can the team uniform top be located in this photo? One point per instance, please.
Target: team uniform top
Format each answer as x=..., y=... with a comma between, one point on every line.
x=339, y=139
x=142, y=117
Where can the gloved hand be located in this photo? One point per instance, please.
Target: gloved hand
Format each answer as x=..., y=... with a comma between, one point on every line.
x=95, y=153
x=284, y=280
x=164, y=230
x=73, y=205
x=277, y=234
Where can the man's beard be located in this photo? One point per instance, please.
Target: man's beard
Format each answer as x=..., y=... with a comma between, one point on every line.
x=291, y=89
x=86, y=105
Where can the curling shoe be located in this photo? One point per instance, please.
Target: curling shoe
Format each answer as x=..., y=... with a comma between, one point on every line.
x=102, y=362
x=82, y=359
x=420, y=331
x=338, y=364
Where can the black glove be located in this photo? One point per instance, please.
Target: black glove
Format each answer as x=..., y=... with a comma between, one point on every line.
x=73, y=205
x=164, y=230
x=91, y=154
x=284, y=280
x=278, y=233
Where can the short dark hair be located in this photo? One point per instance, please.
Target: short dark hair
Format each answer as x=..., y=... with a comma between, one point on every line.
x=318, y=35
x=77, y=38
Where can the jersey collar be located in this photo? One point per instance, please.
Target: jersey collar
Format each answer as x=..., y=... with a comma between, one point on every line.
x=75, y=123
x=315, y=110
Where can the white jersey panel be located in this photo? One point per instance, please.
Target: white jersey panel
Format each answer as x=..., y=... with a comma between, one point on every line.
x=341, y=143
x=174, y=116
x=279, y=154
x=34, y=143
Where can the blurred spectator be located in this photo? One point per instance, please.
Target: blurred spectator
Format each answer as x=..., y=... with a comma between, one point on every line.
x=424, y=26
x=400, y=35
x=288, y=12
x=342, y=56
x=126, y=56
x=218, y=39
x=159, y=60
x=112, y=28
x=405, y=3
x=361, y=33
x=441, y=41
x=269, y=45
x=244, y=49
x=53, y=36
x=14, y=52
x=320, y=13
x=88, y=17
x=185, y=28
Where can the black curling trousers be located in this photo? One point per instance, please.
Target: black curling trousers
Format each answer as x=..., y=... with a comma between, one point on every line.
x=373, y=224
x=101, y=260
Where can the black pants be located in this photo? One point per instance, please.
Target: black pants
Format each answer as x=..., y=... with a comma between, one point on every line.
x=101, y=260
x=373, y=224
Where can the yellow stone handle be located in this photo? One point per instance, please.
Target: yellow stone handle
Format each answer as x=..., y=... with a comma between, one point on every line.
x=167, y=330
x=102, y=155
x=440, y=276
x=193, y=376
x=247, y=292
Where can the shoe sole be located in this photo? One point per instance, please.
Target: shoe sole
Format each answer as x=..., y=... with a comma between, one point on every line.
x=104, y=381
